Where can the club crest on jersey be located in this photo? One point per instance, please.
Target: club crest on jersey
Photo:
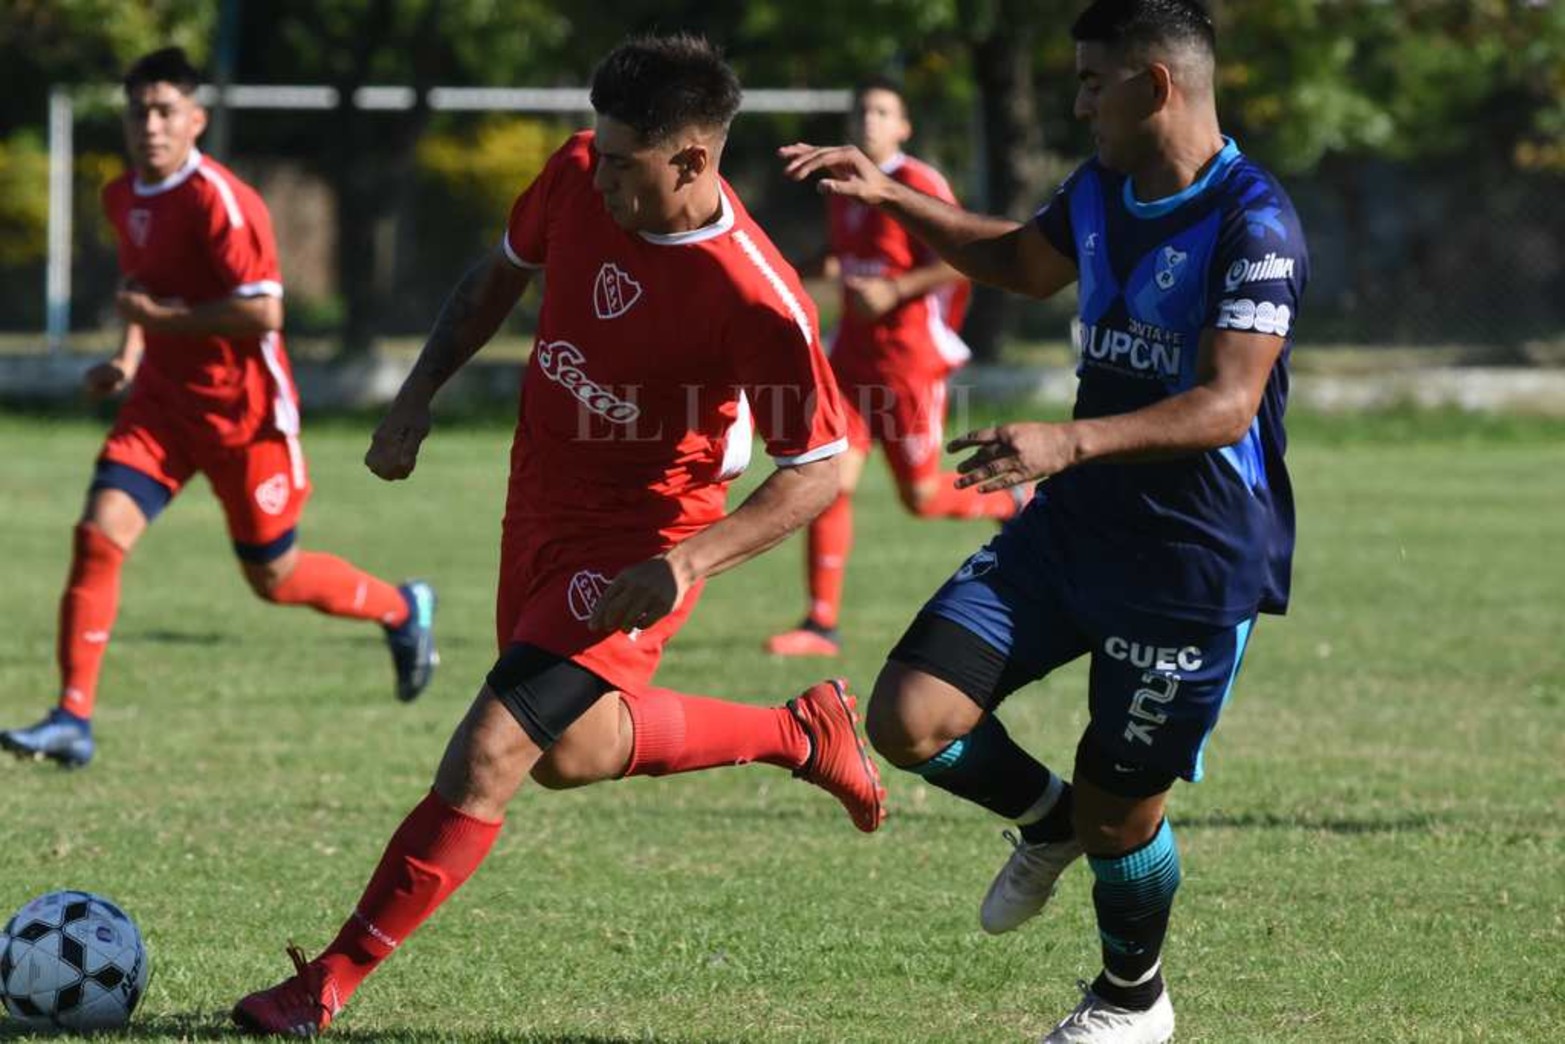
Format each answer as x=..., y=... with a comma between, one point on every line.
x=139, y=223
x=582, y=595
x=614, y=292
x=271, y=496
x=1169, y=262
x=982, y=561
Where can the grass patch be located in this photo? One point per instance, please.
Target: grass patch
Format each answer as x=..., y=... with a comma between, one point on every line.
x=1377, y=855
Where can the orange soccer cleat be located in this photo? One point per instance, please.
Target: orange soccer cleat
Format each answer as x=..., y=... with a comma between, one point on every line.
x=302, y=1005
x=838, y=762
x=808, y=639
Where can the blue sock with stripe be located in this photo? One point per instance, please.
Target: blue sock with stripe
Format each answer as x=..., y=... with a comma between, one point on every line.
x=1133, y=896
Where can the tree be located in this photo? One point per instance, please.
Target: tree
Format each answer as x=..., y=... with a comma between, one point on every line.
x=48, y=42
x=369, y=157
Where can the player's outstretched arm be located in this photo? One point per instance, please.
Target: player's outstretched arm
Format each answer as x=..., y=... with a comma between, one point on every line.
x=1232, y=371
x=788, y=499
x=472, y=312
x=224, y=317
x=992, y=250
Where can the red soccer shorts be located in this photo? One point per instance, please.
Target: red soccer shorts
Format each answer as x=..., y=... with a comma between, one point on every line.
x=905, y=413
x=262, y=485
x=547, y=592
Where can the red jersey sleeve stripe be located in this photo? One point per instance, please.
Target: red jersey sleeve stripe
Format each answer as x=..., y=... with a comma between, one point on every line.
x=775, y=281
x=236, y=217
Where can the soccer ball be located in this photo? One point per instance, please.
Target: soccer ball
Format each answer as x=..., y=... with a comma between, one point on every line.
x=71, y=960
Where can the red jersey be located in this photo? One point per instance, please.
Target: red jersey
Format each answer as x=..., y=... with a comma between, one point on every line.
x=655, y=356
x=919, y=335
x=200, y=235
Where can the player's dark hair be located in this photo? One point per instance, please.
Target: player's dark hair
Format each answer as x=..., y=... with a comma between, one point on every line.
x=168, y=65
x=660, y=85
x=1135, y=26
x=881, y=83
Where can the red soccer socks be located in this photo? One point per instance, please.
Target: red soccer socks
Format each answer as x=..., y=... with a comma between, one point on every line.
x=87, y=610
x=330, y=585
x=678, y=733
x=433, y=852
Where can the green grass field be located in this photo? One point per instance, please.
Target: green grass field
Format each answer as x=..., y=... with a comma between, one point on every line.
x=1378, y=853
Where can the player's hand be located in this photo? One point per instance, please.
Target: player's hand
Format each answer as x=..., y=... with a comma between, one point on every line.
x=138, y=306
x=1013, y=454
x=847, y=171
x=640, y=596
x=393, y=452
x=871, y=296
x=106, y=378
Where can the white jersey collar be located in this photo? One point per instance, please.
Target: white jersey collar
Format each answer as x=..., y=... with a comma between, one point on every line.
x=722, y=226
x=173, y=181
x=894, y=164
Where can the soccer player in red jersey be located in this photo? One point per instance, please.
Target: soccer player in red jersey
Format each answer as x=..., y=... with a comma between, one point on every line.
x=895, y=347
x=210, y=392
x=670, y=327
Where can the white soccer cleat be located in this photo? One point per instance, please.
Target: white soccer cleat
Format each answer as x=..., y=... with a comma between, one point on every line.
x=1096, y=1021
x=1025, y=883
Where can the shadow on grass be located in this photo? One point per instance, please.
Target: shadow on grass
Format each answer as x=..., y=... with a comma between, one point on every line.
x=1411, y=822
x=216, y=1026
x=167, y=637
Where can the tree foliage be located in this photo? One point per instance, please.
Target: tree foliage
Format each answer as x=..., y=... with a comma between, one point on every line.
x=44, y=42
x=1305, y=84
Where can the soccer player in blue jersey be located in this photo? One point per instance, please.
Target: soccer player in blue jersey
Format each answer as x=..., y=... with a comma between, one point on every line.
x=1165, y=524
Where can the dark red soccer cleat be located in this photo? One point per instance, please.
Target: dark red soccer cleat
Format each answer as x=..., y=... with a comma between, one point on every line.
x=839, y=763
x=302, y=1005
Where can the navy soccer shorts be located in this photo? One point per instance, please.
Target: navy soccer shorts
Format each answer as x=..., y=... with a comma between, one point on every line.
x=1157, y=685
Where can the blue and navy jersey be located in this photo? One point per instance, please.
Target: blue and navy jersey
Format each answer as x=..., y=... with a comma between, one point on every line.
x=1207, y=537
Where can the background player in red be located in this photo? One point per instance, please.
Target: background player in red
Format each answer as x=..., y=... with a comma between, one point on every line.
x=211, y=392
x=670, y=324
x=894, y=348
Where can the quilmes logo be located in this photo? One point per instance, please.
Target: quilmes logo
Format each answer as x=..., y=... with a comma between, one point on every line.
x=1143, y=350
x=614, y=292
x=586, y=587
x=1169, y=263
x=1268, y=269
x=561, y=362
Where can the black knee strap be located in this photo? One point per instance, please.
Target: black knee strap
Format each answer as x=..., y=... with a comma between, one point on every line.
x=948, y=651
x=544, y=691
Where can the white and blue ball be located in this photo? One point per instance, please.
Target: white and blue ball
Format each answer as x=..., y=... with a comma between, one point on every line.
x=71, y=960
